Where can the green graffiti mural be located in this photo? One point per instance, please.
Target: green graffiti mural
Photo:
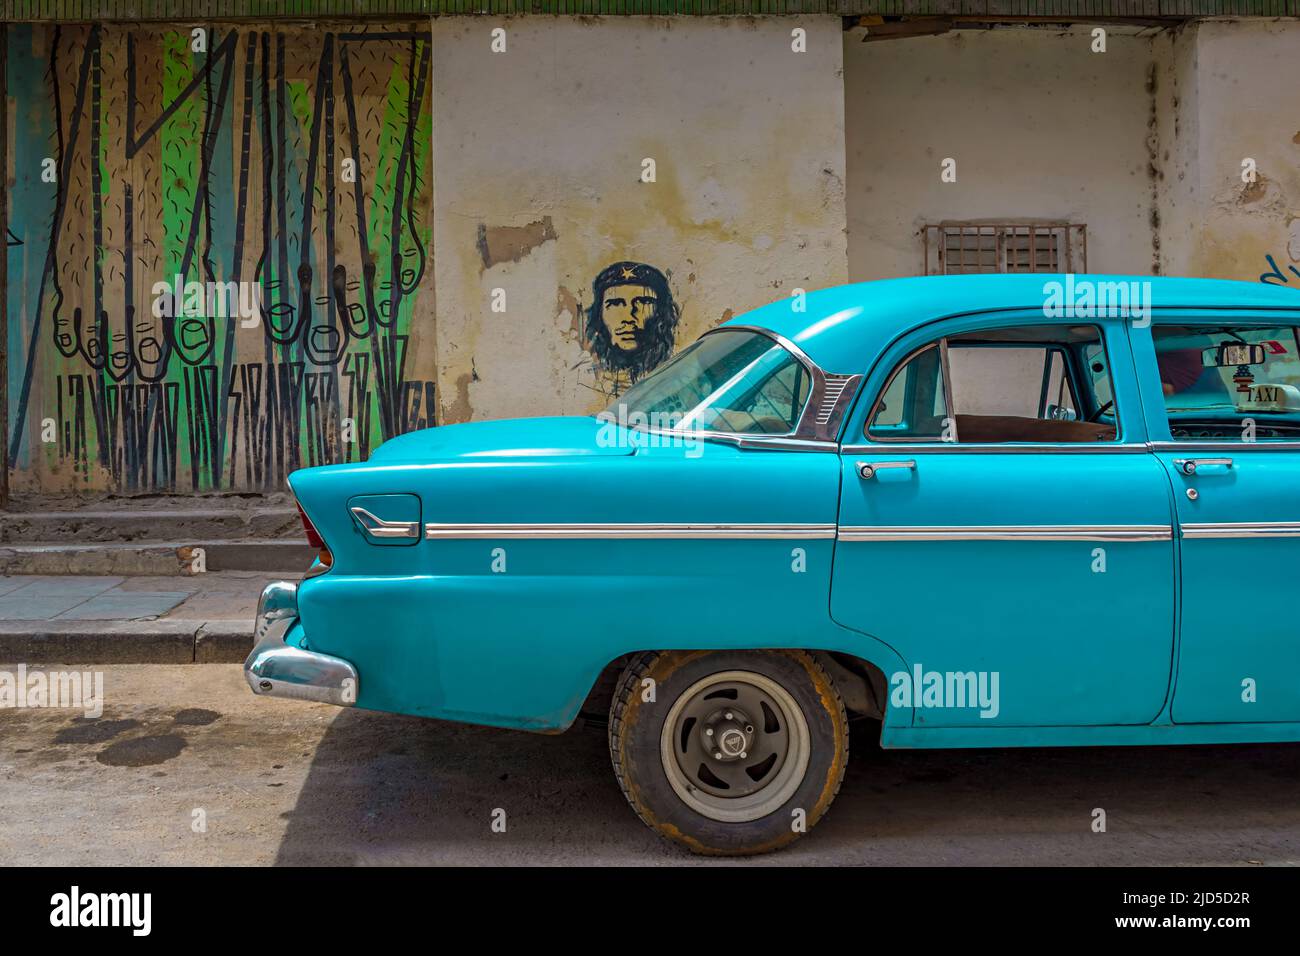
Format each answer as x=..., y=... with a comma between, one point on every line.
x=220, y=253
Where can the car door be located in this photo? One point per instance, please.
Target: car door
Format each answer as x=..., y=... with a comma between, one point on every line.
x=1227, y=429
x=1009, y=549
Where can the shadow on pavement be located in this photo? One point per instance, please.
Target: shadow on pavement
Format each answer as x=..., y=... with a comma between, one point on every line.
x=385, y=789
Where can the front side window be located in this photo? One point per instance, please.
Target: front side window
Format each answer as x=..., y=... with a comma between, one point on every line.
x=1023, y=384
x=1230, y=382
x=739, y=382
x=914, y=406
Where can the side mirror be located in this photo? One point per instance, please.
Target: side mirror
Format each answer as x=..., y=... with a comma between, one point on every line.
x=1233, y=354
x=1059, y=413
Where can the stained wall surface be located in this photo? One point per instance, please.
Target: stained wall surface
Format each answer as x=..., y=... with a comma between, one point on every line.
x=563, y=272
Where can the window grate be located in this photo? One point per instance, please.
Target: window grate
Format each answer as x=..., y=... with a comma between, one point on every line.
x=965, y=248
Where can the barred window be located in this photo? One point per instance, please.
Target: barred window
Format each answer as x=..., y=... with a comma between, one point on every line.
x=963, y=248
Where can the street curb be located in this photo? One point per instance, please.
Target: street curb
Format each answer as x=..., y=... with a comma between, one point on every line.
x=126, y=642
x=153, y=558
x=223, y=642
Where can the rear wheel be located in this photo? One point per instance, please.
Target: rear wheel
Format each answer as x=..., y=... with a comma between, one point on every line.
x=728, y=752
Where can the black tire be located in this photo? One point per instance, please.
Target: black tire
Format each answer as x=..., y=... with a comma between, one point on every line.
x=636, y=728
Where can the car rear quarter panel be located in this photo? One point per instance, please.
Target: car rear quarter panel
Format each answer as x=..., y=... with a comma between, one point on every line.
x=514, y=632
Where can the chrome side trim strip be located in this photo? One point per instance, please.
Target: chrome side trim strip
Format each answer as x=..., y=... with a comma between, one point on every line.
x=954, y=448
x=629, y=531
x=745, y=440
x=789, y=444
x=1243, y=529
x=1194, y=445
x=1134, y=532
x=1116, y=533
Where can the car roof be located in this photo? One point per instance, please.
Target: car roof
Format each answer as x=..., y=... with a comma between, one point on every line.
x=843, y=329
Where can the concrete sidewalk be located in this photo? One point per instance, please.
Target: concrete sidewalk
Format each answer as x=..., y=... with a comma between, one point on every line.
x=106, y=619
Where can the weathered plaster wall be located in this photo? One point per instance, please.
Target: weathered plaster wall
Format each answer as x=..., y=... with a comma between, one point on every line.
x=539, y=155
x=1177, y=137
x=561, y=275
x=1040, y=126
x=137, y=159
x=1235, y=81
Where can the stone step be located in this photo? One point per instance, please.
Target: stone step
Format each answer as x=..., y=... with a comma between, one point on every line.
x=146, y=523
x=155, y=557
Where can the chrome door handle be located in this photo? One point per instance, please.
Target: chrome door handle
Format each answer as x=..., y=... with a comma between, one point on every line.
x=379, y=528
x=867, y=469
x=1189, y=466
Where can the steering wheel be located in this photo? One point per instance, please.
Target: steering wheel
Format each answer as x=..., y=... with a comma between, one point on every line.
x=1096, y=416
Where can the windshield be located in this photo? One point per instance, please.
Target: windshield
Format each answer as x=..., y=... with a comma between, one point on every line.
x=729, y=381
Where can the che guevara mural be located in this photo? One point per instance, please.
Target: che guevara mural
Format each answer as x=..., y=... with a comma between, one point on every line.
x=631, y=324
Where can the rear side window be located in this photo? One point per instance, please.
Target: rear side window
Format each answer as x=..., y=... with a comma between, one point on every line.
x=1230, y=382
x=1001, y=386
x=1024, y=381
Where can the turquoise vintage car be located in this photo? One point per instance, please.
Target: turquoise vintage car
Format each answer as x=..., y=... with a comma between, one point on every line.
x=1032, y=510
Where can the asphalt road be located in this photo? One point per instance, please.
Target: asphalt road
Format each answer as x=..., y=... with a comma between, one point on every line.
x=286, y=782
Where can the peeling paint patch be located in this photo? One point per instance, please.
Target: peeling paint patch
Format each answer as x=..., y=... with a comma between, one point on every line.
x=1253, y=192
x=566, y=304
x=498, y=244
x=459, y=410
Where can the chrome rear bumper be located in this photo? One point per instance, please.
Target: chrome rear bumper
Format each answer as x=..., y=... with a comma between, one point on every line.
x=277, y=669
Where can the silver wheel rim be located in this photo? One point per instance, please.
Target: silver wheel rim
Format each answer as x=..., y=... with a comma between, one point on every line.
x=754, y=759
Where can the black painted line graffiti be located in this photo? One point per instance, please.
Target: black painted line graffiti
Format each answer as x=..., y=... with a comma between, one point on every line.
x=159, y=395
